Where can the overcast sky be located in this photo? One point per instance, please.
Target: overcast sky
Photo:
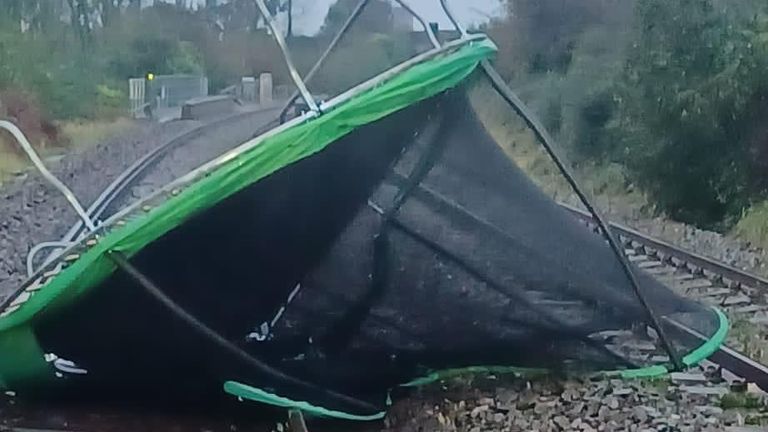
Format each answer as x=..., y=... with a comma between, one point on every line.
x=467, y=11
x=311, y=13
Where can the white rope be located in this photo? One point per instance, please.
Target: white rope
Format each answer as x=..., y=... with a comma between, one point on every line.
x=52, y=179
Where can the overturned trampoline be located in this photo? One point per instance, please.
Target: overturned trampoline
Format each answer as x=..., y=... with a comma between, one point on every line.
x=379, y=241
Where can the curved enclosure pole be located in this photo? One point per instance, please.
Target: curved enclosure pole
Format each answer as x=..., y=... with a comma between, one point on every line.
x=55, y=182
x=427, y=28
x=548, y=143
x=316, y=67
x=287, y=55
x=447, y=9
x=55, y=245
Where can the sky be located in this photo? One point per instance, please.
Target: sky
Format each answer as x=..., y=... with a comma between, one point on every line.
x=468, y=12
x=310, y=14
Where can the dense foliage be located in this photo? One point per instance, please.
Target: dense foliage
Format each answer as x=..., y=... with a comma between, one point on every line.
x=75, y=56
x=691, y=102
x=673, y=90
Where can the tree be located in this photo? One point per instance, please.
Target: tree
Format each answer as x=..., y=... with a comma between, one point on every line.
x=80, y=12
x=377, y=17
x=693, y=83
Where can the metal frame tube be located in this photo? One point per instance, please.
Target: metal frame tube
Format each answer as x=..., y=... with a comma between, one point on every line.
x=432, y=37
x=548, y=143
x=231, y=154
x=52, y=179
x=316, y=67
x=558, y=326
x=287, y=56
x=122, y=262
x=447, y=9
x=347, y=24
x=62, y=245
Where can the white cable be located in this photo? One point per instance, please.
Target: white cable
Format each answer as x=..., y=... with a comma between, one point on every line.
x=52, y=179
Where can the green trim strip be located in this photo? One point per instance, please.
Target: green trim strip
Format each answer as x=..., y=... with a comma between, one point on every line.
x=693, y=358
x=712, y=345
x=646, y=372
x=257, y=159
x=257, y=395
x=452, y=373
x=262, y=158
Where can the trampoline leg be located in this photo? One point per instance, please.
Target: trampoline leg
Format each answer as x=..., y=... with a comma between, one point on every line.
x=296, y=421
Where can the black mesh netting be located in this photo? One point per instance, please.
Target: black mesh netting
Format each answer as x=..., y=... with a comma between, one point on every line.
x=457, y=259
x=411, y=245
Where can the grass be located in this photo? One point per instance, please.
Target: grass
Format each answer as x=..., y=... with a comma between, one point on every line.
x=753, y=226
x=747, y=338
x=76, y=135
x=742, y=400
x=606, y=183
x=80, y=134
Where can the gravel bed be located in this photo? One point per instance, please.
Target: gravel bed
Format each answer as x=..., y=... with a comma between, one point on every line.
x=724, y=248
x=32, y=211
x=192, y=154
x=570, y=405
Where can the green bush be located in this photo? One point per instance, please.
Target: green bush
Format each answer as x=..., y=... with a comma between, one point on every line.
x=593, y=139
x=694, y=75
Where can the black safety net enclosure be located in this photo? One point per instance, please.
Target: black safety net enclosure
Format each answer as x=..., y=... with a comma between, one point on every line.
x=373, y=245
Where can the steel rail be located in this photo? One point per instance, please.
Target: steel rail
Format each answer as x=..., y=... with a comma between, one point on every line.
x=725, y=271
x=234, y=153
x=728, y=358
x=125, y=179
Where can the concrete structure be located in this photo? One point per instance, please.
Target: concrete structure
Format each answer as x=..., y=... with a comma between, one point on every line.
x=402, y=20
x=137, y=96
x=248, y=89
x=164, y=91
x=265, y=88
x=208, y=106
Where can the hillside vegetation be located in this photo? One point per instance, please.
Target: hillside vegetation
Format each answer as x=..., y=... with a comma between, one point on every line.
x=661, y=101
x=65, y=64
x=664, y=97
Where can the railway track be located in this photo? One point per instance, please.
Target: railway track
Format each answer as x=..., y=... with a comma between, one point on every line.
x=125, y=181
x=743, y=296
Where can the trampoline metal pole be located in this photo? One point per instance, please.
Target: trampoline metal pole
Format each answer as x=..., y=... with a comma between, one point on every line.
x=447, y=9
x=548, y=143
x=287, y=56
x=427, y=28
x=316, y=67
x=123, y=263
